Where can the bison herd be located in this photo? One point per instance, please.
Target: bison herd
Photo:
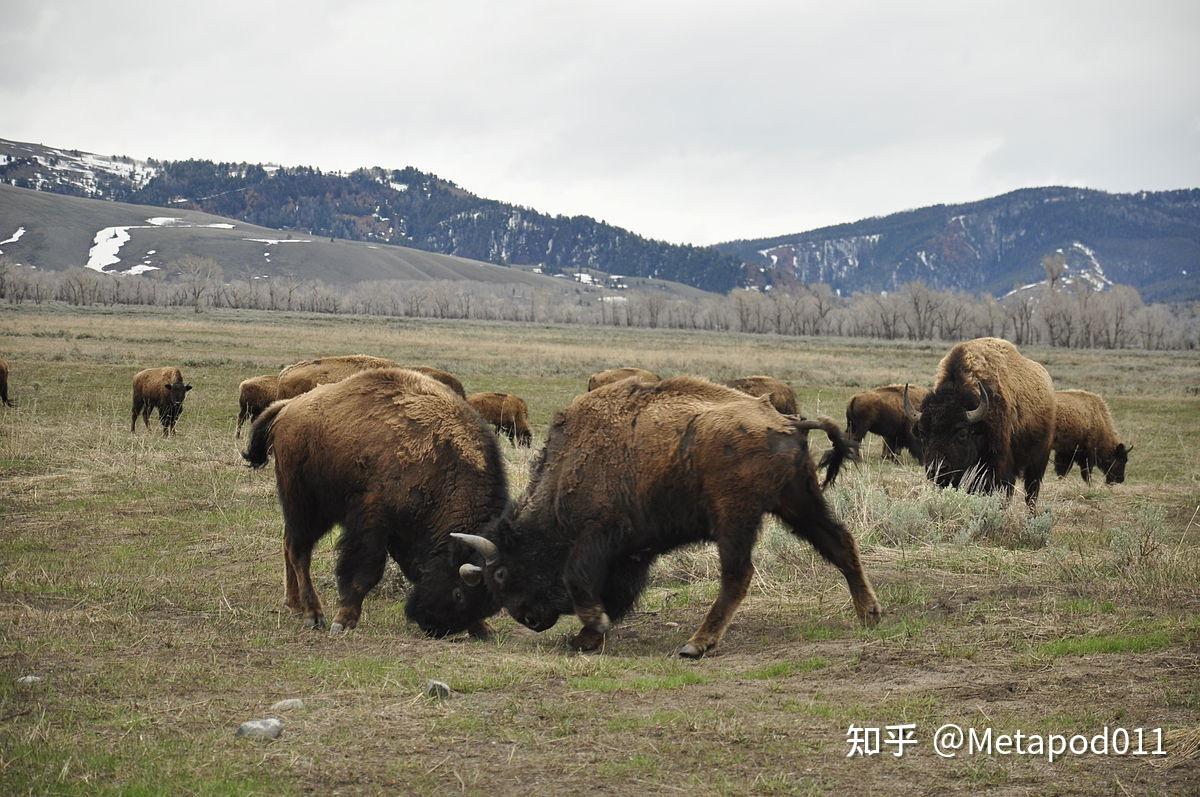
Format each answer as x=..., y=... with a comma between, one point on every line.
x=408, y=464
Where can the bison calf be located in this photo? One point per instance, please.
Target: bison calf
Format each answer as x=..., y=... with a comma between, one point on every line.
x=633, y=470
x=255, y=395
x=782, y=397
x=162, y=389
x=507, y=414
x=881, y=411
x=1084, y=434
x=602, y=378
x=400, y=463
x=4, y=384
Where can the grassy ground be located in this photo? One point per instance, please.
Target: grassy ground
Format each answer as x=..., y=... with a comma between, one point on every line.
x=141, y=577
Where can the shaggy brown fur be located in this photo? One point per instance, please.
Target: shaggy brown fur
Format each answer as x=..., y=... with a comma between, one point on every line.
x=507, y=414
x=602, y=378
x=162, y=389
x=1084, y=434
x=255, y=395
x=400, y=462
x=634, y=470
x=783, y=398
x=446, y=378
x=4, y=384
x=1014, y=434
x=299, y=378
x=881, y=411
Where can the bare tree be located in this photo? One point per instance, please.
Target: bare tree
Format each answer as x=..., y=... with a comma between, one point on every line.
x=200, y=275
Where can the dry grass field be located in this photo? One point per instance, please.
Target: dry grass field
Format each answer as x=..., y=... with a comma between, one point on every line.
x=141, y=577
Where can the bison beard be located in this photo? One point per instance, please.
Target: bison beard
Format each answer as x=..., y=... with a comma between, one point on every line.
x=633, y=470
x=400, y=462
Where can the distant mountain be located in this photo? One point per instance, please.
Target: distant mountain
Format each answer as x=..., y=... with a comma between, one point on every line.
x=398, y=206
x=1150, y=240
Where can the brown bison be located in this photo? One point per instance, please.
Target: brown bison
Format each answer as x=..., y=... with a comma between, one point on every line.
x=634, y=470
x=1084, y=434
x=4, y=384
x=507, y=414
x=602, y=378
x=255, y=395
x=991, y=412
x=162, y=389
x=299, y=378
x=881, y=411
x=400, y=462
x=783, y=398
x=446, y=378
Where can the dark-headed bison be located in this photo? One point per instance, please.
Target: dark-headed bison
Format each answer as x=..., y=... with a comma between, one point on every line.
x=400, y=462
x=1084, y=434
x=162, y=389
x=634, y=470
x=881, y=411
x=990, y=414
x=255, y=395
x=602, y=378
x=783, y=398
x=507, y=414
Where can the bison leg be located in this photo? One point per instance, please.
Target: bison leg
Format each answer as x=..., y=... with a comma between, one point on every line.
x=1085, y=466
x=137, y=407
x=146, y=409
x=737, y=569
x=243, y=414
x=891, y=449
x=585, y=574
x=1032, y=477
x=291, y=582
x=362, y=557
x=1062, y=462
x=298, y=540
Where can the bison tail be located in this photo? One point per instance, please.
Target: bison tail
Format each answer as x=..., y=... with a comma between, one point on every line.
x=844, y=448
x=259, y=448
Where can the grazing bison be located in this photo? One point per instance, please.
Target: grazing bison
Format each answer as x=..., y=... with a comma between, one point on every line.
x=634, y=470
x=400, y=462
x=255, y=395
x=991, y=410
x=4, y=384
x=602, y=378
x=162, y=389
x=507, y=414
x=1084, y=434
x=881, y=411
x=783, y=398
x=299, y=378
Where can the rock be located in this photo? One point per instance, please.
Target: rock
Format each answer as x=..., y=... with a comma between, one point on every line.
x=438, y=690
x=671, y=624
x=270, y=728
x=290, y=704
x=29, y=679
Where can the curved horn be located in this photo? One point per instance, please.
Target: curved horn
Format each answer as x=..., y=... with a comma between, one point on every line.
x=976, y=415
x=470, y=574
x=912, y=414
x=491, y=554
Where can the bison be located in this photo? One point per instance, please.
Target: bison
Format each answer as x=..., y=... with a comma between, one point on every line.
x=1084, y=434
x=507, y=414
x=602, y=378
x=783, y=398
x=401, y=463
x=4, y=384
x=255, y=395
x=299, y=378
x=881, y=411
x=634, y=470
x=991, y=411
x=162, y=389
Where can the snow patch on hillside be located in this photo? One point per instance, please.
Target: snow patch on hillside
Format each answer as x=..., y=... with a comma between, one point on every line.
x=106, y=245
x=272, y=241
x=12, y=239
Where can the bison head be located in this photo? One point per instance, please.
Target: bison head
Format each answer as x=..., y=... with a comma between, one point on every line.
x=440, y=602
x=176, y=392
x=1114, y=465
x=530, y=587
x=950, y=432
x=524, y=438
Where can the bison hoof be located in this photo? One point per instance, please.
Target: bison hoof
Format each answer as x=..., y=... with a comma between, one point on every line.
x=481, y=631
x=314, y=623
x=691, y=651
x=336, y=629
x=587, y=640
x=602, y=623
x=870, y=617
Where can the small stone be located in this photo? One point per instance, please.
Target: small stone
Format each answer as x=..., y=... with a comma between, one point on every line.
x=29, y=679
x=671, y=624
x=437, y=689
x=270, y=728
x=290, y=704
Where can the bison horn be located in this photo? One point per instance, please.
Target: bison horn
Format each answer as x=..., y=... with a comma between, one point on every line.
x=470, y=574
x=912, y=414
x=976, y=415
x=487, y=548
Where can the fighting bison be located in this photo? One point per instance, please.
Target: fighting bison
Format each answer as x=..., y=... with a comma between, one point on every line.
x=507, y=414
x=992, y=411
x=881, y=411
x=162, y=389
x=4, y=384
x=255, y=395
x=783, y=398
x=1084, y=434
x=400, y=462
x=634, y=470
x=602, y=378
x=299, y=378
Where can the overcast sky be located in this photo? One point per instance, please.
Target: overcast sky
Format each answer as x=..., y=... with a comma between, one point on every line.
x=687, y=121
